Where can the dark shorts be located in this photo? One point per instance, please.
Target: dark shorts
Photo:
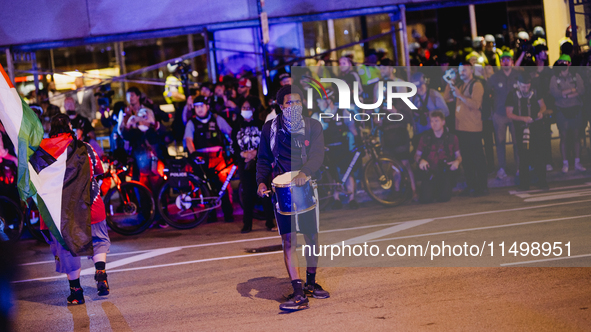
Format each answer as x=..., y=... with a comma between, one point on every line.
x=569, y=119
x=305, y=223
x=65, y=262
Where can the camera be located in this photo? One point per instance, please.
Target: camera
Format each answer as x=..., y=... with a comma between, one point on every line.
x=451, y=76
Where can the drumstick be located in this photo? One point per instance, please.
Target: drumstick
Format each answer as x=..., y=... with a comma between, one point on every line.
x=266, y=192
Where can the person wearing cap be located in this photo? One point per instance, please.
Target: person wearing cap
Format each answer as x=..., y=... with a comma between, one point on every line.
x=568, y=90
x=244, y=89
x=244, y=86
x=499, y=86
x=339, y=137
x=205, y=136
x=526, y=109
x=285, y=79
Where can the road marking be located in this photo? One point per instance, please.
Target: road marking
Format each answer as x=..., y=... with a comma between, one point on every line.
x=511, y=210
x=344, y=229
x=554, y=193
x=482, y=228
x=577, y=193
x=114, y=264
x=110, y=255
x=545, y=260
x=386, y=231
x=539, y=195
x=277, y=252
x=132, y=259
x=518, y=192
x=159, y=265
x=196, y=261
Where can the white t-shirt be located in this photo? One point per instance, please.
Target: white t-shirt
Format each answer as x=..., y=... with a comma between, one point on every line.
x=80, y=96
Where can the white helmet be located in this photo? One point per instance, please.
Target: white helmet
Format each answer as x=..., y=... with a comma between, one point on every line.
x=523, y=35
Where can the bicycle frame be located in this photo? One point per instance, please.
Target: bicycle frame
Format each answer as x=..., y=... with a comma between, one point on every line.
x=218, y=199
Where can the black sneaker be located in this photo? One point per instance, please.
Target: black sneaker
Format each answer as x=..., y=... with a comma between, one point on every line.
x=102, y=286
x=353, y=204
x=76, y=296
x=316, y=291
x=294, y=303
x=246, y=229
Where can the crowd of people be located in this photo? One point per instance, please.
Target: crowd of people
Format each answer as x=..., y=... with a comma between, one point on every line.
x=459, y=115
x=464, y=109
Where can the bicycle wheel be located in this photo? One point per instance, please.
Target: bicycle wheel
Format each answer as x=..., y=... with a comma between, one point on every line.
x=387, y=182
x=130, y=210
x=326, y=187
x=11, y=220
x=258, y=212
x=185, y=207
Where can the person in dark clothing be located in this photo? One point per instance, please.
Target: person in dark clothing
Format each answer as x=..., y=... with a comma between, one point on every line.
x=541, y=77
x=204, y=136
x=340, y=134
x=275, y=156
x=525, y=108
x=246, y=138
x=438, y=156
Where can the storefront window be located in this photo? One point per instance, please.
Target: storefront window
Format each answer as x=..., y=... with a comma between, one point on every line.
x=348, y=30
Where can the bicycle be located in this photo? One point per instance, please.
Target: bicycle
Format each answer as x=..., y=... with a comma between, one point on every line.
x=11, y=216
x=385, y=179
x=129, y=205
x=11, y=220
x=185, y=199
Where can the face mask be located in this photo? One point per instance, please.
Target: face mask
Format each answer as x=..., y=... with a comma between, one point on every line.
x=143, y=128
x=293, y=118
x=246, y=114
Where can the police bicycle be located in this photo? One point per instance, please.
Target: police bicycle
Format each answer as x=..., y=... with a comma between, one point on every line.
x=129, y=205
x=385, y=179
x=186, y=199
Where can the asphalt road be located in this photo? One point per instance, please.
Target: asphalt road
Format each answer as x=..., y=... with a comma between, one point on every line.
x=208, y=279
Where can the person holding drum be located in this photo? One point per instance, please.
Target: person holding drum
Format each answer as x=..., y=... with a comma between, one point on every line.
x=291, y=151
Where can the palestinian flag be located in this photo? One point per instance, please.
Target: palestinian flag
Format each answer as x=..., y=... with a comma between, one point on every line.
x=54, y=171
x=23, y=128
